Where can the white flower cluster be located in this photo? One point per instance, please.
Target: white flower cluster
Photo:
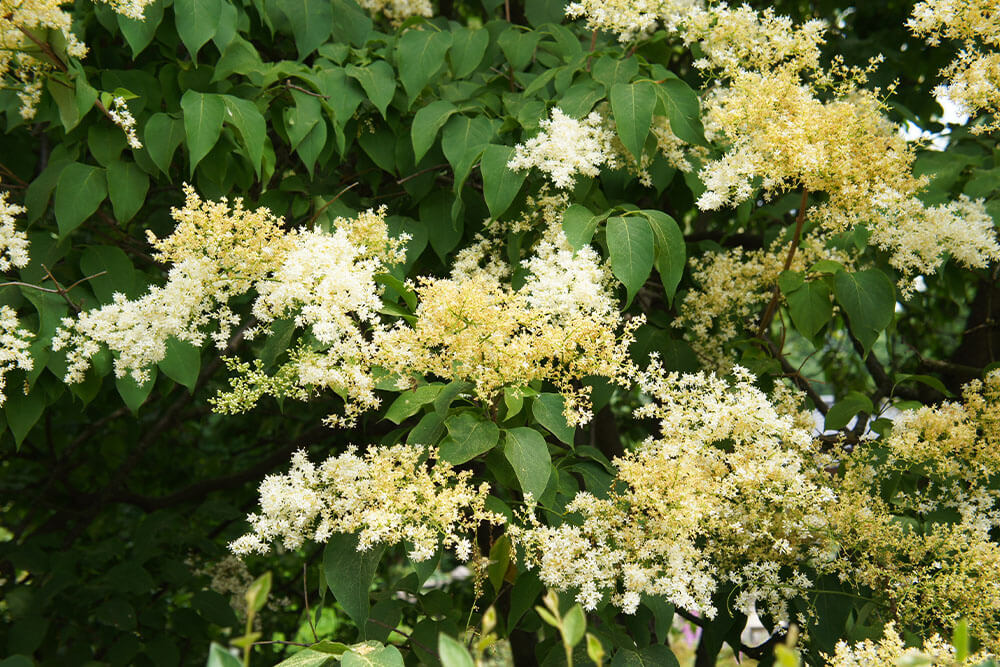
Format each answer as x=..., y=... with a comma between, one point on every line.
x=729, y=489
x=14, y=347
x=217, y=251
x=564, y=285
x=138, y=330
x=891, y=650
x=124, y=119
x=326, y=283
x=13, y=243
x=20, y=66
x=973, y=77
x=631, y=19
x=388, y=496
x=566, y=147
x=398, y=11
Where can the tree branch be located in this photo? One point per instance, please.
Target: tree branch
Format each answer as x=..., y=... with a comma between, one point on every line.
x=772, y=306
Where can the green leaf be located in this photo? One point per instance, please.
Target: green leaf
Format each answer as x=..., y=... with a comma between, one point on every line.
x=64, y=96
x=518, y=46
x=671, y=253
x=350, y=23
x=960, y=640
x=139, y=33
x=499, y=562
x=789, y=281
x=257, y=593
x=80, y=190
x=426, y=124
x=656, y=655
x=127, y=187
x=548, y=411
x=197, y=21
x=462, y=141
x=219, y=656
x=630, y=243
x=309, y=657
x=928, y=380
x=844, y=410
x=810, y=307
x=161, y=136
x=468, y=437
x=410, y=401
x=301, y=118
x=500, y=184
x=378, y=81
x=119, y=274
x=311, y=22
x=204, y=114
x=612, y=71
x=683, y=110
x=350, y=573
x=453, y=653
x=632, y=105
x=133, y=393
x=419, y=55
x=869, y=299
x=574, y=624
x=182, y=363
x=467, y=50
x=451, y=391
x=22, y=412
x=528, y=455
x=579, y=225
x=380, y=656
x=249, y=122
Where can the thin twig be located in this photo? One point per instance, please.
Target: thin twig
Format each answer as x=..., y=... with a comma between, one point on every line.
x=46, y=49
x=327, y=205
x=292, y=86
x=305, y=595
x=60, y=290
x=421, y=173
x=772, y=306
x=5, y=169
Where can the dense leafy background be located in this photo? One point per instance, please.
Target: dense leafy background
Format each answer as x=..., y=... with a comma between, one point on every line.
x=115, y=497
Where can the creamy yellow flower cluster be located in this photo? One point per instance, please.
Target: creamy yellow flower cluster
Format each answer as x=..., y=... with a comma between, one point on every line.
x=14, y=347
x=14, y=341
x=785, y=122
x=733, y=286
x=389, y=495
x=973, y=77
x=940, y=463
x=563, y=324
x=398, y=11
x=23, y=63
x=729, y=490
x=892, y=650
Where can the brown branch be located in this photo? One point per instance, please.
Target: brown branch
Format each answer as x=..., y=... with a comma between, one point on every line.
x=421, y=172
x=327, y=205
x=46, y=49
x=6, y=170
x=292, y=86
x=796, y=377
x=772, y=306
